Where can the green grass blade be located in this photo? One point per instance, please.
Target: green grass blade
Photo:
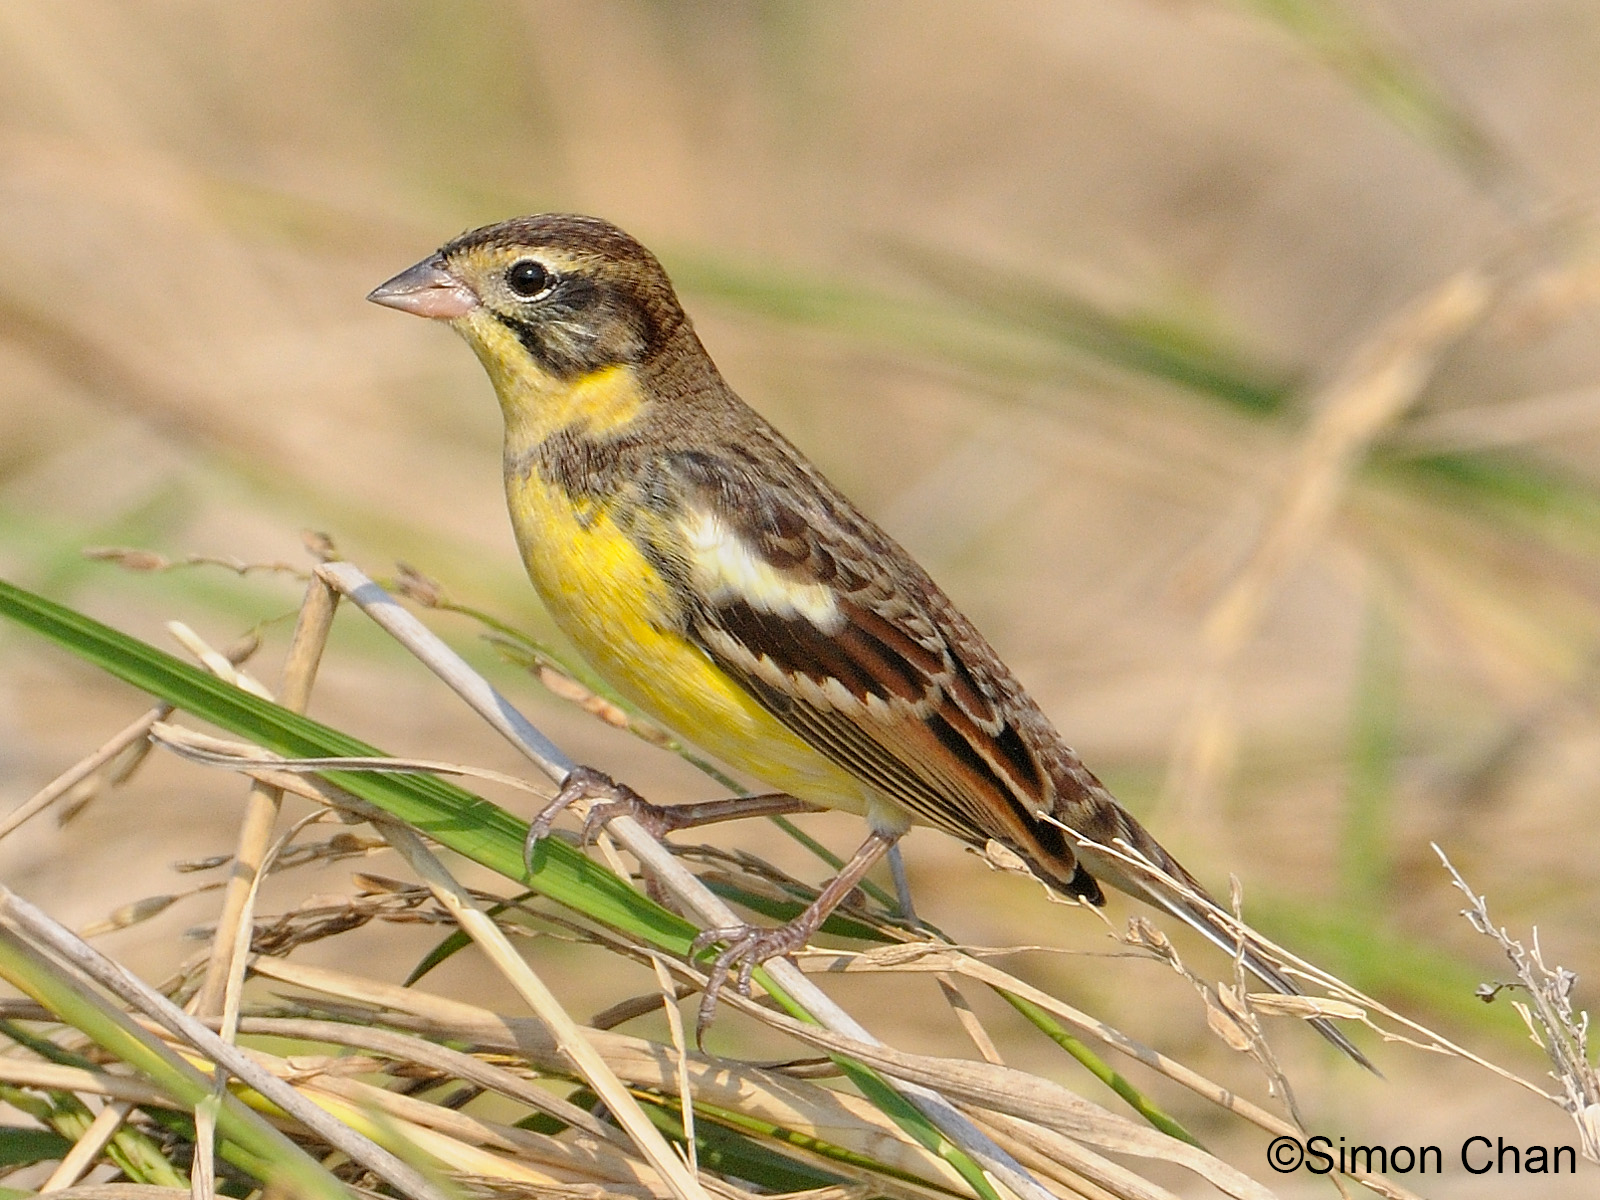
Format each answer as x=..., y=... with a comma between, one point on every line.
x=722, y=1149
x=1169, y=346
x=20, y=1147
x=1389, y=80
x=1100, y=1069
x=115, y=1032
x=454, y=817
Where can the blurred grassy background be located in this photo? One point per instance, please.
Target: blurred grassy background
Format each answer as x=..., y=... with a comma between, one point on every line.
x=1079, y=299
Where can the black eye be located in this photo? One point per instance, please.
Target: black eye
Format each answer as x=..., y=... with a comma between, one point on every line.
x=527, y=277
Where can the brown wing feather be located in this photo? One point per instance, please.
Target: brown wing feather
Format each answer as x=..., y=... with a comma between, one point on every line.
x=884, y=689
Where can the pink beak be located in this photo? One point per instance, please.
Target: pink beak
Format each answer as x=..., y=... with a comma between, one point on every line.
x=426, y=290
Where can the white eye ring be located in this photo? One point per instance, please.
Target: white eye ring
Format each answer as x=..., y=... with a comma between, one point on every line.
x=528, y=277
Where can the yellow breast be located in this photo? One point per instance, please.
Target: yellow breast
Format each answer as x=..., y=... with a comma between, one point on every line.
x=622, y=616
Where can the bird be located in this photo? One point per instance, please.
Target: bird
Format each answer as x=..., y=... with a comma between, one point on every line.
x=713, y=576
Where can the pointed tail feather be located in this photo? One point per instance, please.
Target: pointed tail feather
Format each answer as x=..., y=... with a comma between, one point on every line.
x=1202, y=913
x=1205, y=923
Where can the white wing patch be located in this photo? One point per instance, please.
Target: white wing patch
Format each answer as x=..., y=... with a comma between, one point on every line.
x=725, y=567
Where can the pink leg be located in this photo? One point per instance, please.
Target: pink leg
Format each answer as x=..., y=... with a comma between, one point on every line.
x=614, y=799
x=748, y=946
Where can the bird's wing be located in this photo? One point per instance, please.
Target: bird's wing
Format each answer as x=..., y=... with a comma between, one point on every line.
x=832, y=628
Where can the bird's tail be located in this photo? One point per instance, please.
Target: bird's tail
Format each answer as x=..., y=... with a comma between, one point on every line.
x=1121, y=854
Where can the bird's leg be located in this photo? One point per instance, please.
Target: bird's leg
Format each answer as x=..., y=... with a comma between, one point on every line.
x=748, y=946
x=662, y=819
x=613, y=799
x=902, y=887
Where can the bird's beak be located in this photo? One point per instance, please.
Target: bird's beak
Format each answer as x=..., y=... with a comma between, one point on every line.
x=427, y=290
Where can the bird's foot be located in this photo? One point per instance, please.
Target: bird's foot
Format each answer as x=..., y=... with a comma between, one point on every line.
x=610, y=800
x=745, y=948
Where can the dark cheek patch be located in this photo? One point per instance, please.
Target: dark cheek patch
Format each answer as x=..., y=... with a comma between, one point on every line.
x=533, y=341
x=580, y=327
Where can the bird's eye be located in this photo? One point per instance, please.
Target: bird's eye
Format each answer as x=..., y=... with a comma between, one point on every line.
x=527, y=277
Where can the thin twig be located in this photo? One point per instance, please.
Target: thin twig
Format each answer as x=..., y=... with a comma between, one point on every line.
x=263, y=802
x=1560, y=1030
x=83, y=769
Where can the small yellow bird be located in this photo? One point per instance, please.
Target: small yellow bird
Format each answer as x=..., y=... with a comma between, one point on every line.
x=712, y=576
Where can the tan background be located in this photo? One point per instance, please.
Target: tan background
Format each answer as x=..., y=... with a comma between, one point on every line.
x=947, y=247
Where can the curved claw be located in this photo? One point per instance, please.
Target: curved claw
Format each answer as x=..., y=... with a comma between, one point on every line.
x=585, y=783
x=747, y=947
x=625, y=802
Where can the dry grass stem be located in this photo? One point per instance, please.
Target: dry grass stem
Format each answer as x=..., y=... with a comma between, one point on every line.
x=680, y=1045
x=956, y=960
x=1054, y=1141
x=37, y=927
x=760, y=1094
x=83, y=769
x=970, y=1024
x=48, y=1076
x=1554, y=1024
x=1346, y=998
x=131, y=558
x=1382, y=379
x=87, y=1149
x=223, y=666
x=1010, y=1094
x=246, y=757
x=572, y=1042
x=225, y=971
x=420, y=1052
x=1074, y=1166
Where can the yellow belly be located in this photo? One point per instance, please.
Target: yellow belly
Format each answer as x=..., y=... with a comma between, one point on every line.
x=619, y=612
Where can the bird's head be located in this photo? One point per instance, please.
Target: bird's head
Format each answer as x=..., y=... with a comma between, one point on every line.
x=556, y=297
